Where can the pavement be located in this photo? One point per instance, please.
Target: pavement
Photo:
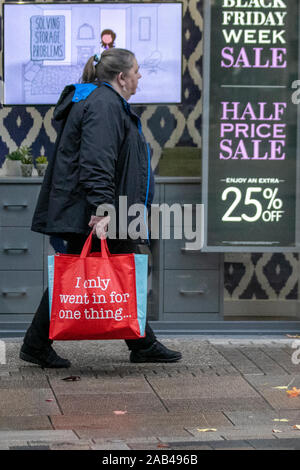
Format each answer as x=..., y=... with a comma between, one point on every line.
x=226, y=393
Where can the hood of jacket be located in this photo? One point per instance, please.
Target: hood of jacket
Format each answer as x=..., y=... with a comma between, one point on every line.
x=71, y=94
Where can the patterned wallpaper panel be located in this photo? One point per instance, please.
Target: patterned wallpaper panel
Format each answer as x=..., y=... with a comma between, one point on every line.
x=261, y=276
x=252, y=276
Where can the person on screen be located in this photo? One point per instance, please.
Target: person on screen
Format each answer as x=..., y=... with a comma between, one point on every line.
x=108, y=38
x=100, y=153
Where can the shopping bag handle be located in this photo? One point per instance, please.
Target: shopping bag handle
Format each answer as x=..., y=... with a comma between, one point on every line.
x=88, y=245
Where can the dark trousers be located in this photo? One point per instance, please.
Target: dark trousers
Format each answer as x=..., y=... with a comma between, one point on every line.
x=37, y=335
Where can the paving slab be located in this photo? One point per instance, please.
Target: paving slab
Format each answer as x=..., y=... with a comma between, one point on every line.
x=266, y=417
x=110, y=446
x=31, y=371
x=37, y=436
x=207, y=393
x=290, y=433
x=15, y=383
x=276, y=340
x=147, y=446
x=277, y=398
x=131, y=421
x=198, y=446
x=275, y=444
x=144, y=430
x=9, y=423
x=102, y=403
x=231, y=445
x=239, y=360
x=283, y=357
x=190, y=438
x=214, y=404
x=202, y=387
x=5, y=445
x=25, y=402
x=111, y=385
x=254, y=432
x=173, y=443
x=262, y=360
x=78, y=445
x=143, y=440
x=151, y=441
x=236, y=432
x=28, y=447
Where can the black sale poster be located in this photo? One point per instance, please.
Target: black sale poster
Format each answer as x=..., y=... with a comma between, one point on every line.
x=250, y=125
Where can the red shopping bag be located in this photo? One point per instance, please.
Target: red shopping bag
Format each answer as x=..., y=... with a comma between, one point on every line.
x=97, y=295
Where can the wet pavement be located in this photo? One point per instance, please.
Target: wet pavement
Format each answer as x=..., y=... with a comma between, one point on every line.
x=226, y=393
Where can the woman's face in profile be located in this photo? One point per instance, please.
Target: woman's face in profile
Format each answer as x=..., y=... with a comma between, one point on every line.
x=131, y=79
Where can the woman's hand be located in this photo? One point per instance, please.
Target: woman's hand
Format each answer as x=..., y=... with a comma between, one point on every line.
x=99, y=225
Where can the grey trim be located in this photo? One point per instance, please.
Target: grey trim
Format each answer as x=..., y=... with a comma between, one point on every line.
x=226, y=327
x=16, y=325
x=177, y=179
x=297, y=235
x=205, y=109
x=20, y=179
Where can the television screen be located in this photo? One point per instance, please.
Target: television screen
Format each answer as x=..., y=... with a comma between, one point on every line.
x=46, y=46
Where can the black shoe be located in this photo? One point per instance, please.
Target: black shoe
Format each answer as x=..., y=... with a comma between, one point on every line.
x=156, y=353
x=47, y=358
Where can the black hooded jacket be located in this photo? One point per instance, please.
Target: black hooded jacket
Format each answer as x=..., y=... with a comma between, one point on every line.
x=100, y=154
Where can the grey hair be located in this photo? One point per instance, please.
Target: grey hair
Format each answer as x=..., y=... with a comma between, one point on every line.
x=111, y=62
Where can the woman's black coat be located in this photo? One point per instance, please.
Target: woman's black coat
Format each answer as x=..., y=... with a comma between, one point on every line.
x=100, y=154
